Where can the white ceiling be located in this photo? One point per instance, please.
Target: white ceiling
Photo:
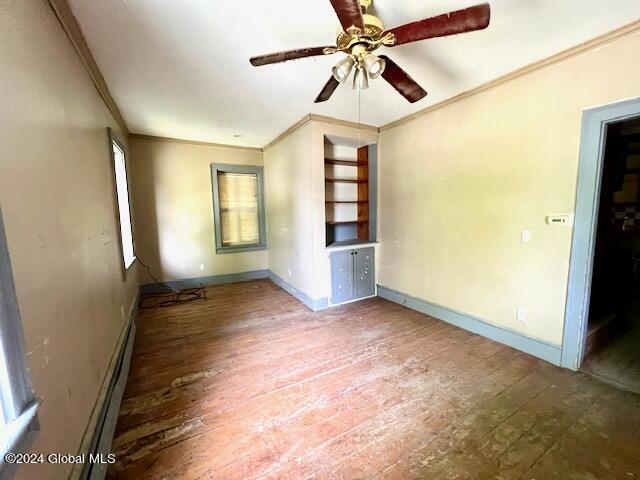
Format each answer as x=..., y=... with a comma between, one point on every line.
x=181, y=68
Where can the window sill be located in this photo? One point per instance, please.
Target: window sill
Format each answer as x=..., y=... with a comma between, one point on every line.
x=129, y=263
x=12, y=432
x=248, y=248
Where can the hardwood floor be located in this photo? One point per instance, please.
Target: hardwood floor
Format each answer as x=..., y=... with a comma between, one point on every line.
x=251, y=384
x=617, y=359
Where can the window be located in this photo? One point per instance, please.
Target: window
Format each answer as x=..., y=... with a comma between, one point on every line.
x=17, y=403
x=238, y=207
x=124, y=208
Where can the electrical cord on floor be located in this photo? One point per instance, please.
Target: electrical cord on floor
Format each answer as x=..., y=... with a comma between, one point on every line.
x=171, y=296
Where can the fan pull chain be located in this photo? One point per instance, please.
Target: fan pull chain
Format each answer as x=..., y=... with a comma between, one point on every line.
x=359, y=118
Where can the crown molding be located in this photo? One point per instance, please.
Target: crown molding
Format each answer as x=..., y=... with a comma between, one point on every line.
x=565, y=54
x=71, y=27
x=343, y=123
x=139, y=136
x=312, y=117
x=299, y=124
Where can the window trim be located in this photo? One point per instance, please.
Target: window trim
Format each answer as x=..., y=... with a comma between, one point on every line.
x=246, y=169
x=19, y=405
x=114, y=139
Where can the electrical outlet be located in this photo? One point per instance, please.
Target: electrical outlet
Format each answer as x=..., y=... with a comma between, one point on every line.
x=526, y=236
x=521, y=314
x=202, y=267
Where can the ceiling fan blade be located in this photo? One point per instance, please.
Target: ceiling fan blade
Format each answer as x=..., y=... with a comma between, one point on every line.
x=327, y=90
x=349, y=13
x=460, y=21
x=401, y=81
x=287, y=55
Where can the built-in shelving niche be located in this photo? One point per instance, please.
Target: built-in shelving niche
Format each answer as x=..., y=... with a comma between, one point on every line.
x=350, y=191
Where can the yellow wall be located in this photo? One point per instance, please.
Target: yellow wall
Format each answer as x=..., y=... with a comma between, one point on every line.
x=57, y=196
x=458, y=185
x=173, y=209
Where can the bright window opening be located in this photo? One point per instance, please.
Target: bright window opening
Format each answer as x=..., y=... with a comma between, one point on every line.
x=124, y=208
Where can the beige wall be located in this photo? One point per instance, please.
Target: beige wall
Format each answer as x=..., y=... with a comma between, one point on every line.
x=57, y=197
x=173, y=209
x=459, y=184
x=290, y=207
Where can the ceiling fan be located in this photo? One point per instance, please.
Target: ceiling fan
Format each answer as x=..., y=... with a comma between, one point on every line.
x=362, y=33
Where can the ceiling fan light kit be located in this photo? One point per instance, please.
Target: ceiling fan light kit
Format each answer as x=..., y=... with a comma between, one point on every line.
x=373, y=65
x=360, y=79
x=343, y=68
x=361, y=33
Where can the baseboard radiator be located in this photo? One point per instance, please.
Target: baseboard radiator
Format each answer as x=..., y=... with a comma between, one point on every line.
x=106, y=425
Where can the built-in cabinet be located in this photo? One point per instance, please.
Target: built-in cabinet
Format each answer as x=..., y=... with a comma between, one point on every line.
x=350, y=169
x=352, y=274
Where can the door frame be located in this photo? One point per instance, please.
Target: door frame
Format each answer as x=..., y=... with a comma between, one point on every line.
x=590, y=167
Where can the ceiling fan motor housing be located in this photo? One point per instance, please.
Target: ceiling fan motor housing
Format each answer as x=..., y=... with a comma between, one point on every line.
x=373, y=29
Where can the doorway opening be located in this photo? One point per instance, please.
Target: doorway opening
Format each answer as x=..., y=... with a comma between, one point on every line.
x=612, y=344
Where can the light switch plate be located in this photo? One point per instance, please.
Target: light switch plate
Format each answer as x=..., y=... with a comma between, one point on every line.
x=526, y=236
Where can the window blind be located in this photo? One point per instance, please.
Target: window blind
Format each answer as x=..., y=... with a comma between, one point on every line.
x=239, y=221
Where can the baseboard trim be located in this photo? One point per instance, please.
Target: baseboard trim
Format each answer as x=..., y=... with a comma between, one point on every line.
x=313, y=304
x=99, y=434
x=538, y=348
x=209, y=280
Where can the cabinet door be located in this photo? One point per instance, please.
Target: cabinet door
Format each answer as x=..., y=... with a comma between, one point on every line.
x=341, y=276
x=363, y=272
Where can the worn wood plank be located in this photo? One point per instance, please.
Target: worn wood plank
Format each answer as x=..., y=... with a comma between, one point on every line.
x=251, y=384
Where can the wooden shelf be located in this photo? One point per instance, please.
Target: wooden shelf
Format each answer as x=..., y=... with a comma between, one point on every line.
x=345, y=180
x=347, y=222
x=345, y=163
x=347, y=243
x=361, y=200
